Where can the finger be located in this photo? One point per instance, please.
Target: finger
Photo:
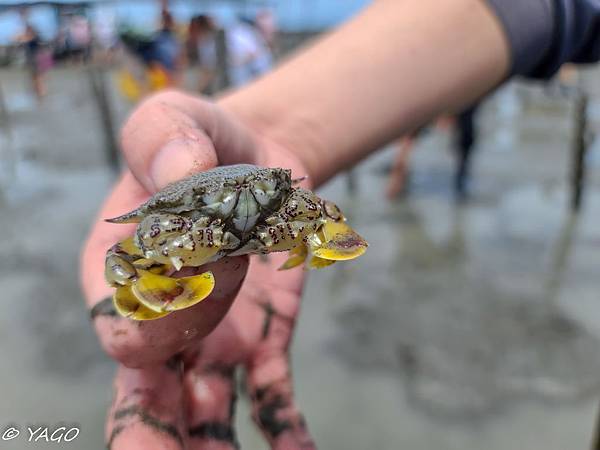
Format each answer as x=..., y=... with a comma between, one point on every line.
x=290, y=282
x=172, y=135
x=210, y=394
x=273, y=407
x=140, y=344
x=268, y=372
x=147, y=409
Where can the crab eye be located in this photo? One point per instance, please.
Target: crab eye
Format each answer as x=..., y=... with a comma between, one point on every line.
x=264, y=192
x=270, y=185
x=221, y=202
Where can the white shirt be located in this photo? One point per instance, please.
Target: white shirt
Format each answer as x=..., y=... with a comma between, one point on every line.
x=248, y=54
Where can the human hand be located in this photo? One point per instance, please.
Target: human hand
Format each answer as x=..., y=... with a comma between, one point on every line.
x=174, y=386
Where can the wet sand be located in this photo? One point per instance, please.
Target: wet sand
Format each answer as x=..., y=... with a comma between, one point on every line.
x=465, y=326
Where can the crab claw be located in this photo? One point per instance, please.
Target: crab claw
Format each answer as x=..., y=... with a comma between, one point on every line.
x=339, y=242
x=335, y=241
x=119, y=270
x=129, y=306
x=318, y=263
x=165, y=294
x=297, y=256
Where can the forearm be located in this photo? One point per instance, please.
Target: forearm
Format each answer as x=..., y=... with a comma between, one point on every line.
x=393, y=67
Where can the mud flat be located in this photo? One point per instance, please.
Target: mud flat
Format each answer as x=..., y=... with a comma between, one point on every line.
x=465, y=326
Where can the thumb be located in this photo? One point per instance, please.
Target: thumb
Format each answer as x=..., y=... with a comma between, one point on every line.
x=180, y=157
x=164, y=141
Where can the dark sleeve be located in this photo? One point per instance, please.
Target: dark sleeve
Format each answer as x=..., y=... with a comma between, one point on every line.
x=544, y=34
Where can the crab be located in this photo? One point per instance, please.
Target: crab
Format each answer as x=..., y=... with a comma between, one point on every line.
x=227, y=211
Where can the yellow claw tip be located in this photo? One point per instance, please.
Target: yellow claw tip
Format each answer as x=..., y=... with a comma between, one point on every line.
x=292, y=262
x=319, y=263
x=165, y=294
x=297, y=256
x=127, y=305
x=341, y=242
x=332, y=251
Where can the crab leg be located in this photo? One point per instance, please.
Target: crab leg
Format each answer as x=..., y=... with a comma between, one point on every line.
x=118, y=266
x=311, y=229
x=334, y=241
x=296, y=257
x=328, y=239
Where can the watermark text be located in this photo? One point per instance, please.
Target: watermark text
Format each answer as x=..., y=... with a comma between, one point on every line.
x=59, y=433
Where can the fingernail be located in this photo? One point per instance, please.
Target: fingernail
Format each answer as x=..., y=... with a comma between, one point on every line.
x=179, y=159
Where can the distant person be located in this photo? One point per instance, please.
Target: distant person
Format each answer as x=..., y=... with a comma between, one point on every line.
x=166, y=50
x=463, y=144
x=266, y=24
x=105, y=34
x=35, y=59
x=248, y=54
x=79, y=38
x=152, y=61
x=202, y=51
x=465, y=140
x=398, y=178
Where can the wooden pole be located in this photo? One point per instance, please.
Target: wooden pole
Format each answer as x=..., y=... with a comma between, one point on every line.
x=4, y=117
x=596, y=437
x=97, y=78
x=8, y=153
x=579, y=151
x=223, y=80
